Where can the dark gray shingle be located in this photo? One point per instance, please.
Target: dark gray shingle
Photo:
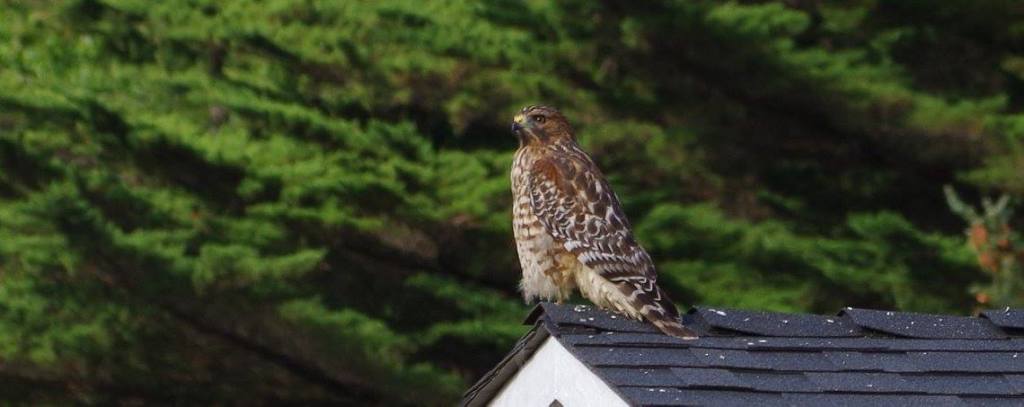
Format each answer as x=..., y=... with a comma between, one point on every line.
x=653, y=357
x=868, y=400
x=624, y=376
x=914, y=325
x=992, y=401
x=961, y=384
x=693, y=377
x=871, y=361
x=1006, y=318
x=858, y=382
x=777, y=324
x=777, y=381
x=661, y=396
x=969, y=362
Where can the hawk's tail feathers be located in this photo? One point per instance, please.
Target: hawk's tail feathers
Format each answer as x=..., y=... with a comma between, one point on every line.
x=656, y=307
x=673, y=328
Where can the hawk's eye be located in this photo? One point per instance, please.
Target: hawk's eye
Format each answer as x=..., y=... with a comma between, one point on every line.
x=537, y=118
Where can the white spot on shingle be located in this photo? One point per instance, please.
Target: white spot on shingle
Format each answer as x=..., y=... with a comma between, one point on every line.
x=762, y=340
x=613, y=317
x=583, y=320
x=889, y=313
x=722, y=313
x=661, y=390
x=785, y=321
x=750, y=343
x=590, y=319
x=830, y=321
x=579, y=308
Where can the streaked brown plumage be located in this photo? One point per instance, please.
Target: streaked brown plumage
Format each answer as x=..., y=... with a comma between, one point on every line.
x=570, y=229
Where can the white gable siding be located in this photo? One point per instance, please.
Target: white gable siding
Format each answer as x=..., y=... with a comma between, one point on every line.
x=552, y=373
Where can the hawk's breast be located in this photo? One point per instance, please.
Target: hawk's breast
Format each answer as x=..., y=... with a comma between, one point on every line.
x=545, y=263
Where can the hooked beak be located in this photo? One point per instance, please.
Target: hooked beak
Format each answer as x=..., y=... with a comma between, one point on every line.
x=517, y=123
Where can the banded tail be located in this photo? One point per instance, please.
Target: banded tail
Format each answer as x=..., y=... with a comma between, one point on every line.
x=655, y=306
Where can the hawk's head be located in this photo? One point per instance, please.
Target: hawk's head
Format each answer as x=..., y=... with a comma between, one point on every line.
x=541, y=124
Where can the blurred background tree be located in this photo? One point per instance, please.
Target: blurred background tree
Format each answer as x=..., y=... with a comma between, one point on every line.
x=307, y=201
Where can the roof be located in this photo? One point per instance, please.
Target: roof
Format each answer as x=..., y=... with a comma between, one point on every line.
x=857, y=357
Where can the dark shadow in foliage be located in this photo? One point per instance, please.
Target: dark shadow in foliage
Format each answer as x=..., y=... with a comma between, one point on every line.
x=318, y=71
x=498, y=271
x=979, y=34
x=700, y=68
x=216, y=183
x=455, y=352
x=54, y=116
x=121, y=37
x=352, y=256
x=22, y=169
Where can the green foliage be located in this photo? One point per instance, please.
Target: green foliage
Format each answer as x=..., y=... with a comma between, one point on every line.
x=307, y=202
x=880, y=258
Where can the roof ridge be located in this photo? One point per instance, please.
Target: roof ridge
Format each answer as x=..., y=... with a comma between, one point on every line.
x=849, y=322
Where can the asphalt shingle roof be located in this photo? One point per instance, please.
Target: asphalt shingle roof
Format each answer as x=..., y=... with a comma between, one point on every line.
x=858, y=357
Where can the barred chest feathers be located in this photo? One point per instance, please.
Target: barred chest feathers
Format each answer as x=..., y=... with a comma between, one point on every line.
x=550, y=272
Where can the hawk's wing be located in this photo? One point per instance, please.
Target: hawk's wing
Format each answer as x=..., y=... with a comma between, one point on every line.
x=576, y=206
x=571, y=198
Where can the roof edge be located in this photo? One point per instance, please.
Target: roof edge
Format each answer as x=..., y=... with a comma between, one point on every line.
x=484, y=390
x=534, y=315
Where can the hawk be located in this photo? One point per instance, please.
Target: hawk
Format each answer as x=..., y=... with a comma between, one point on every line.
x=570, y=230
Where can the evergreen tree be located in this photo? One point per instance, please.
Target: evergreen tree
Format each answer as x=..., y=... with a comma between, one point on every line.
x=260, y=201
